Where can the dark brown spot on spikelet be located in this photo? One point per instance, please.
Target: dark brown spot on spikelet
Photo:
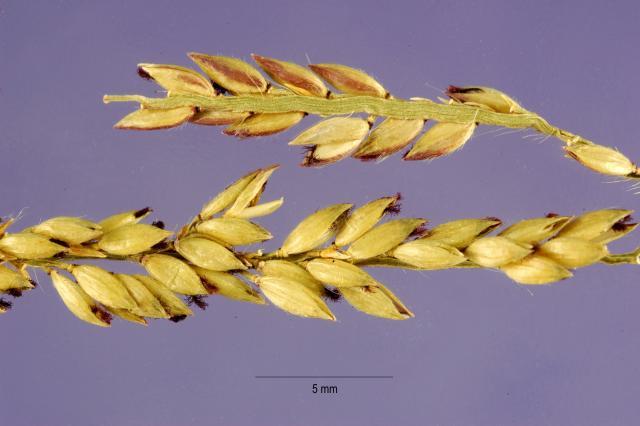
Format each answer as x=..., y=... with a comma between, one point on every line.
x=142, y=212
x=210, y=287
x=177, y=318
x=59, y=242
x=395, y=207
x=623, y=224
x=142, y=73
x=14, y=292
x=332, y=295
x=102, y=314
x=198, y=300
x=420, y=231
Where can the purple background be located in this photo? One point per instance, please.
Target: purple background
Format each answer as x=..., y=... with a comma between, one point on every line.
x=481, y=350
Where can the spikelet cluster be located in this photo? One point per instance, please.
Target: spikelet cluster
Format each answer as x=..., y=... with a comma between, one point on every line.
x=350, y=102
x=326, y=256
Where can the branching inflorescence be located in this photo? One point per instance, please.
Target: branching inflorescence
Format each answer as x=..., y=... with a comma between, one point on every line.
x=323, y=257
x=239, y=96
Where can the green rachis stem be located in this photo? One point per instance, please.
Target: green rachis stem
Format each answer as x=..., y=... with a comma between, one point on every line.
x=346, y=104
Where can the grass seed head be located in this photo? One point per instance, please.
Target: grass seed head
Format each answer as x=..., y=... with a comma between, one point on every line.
x=191, y=97
x=534, y=251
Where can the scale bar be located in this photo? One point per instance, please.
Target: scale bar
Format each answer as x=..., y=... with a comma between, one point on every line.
x=323, y=377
